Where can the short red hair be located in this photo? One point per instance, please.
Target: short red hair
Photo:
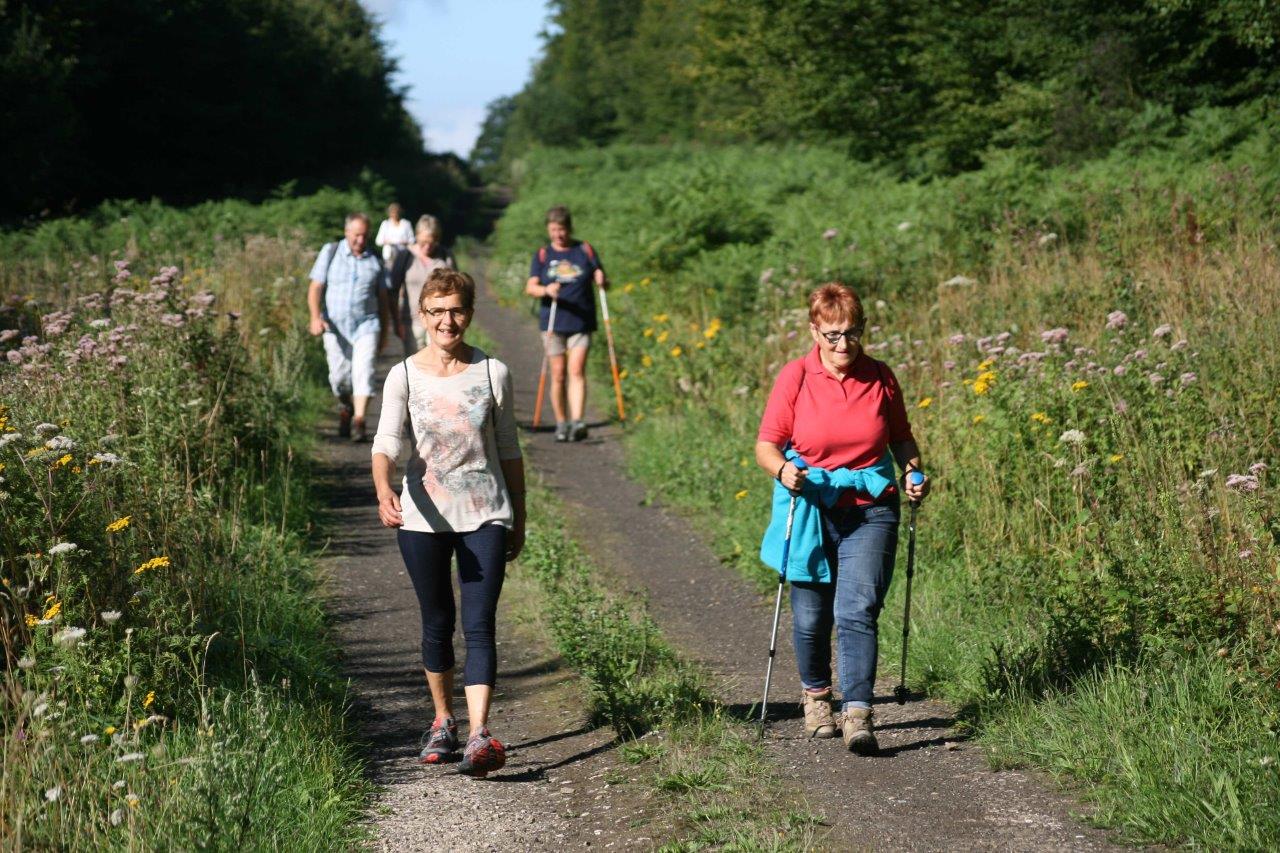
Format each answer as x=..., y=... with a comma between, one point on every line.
x=834, y=302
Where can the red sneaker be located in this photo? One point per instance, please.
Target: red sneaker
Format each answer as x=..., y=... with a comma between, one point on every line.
x=483, y=755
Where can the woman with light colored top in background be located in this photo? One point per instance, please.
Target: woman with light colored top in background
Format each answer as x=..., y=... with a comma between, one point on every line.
x=463, y=494
x=394, y=234
x=410, y=271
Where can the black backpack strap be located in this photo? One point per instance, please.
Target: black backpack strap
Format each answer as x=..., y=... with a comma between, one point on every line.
x=493, y=398
x=408, y=414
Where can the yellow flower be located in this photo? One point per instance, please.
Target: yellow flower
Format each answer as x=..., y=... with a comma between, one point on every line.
x=712, y=329
x=676, y=352
x=925, y=403
x=1079, y=384
x=153, y=563
x=662, y=336
x=62, y=460
x=150, y=700
x=1, y=466
x=53, y=610
x=119, y=524
x=628, y=287
x=648, y=333
x=76, y=469
x=986, y=376
x=977, y=419
x=645, y=282
x=35, y=451
x=981, y=387
x=109, y=730
x=743, y=463
x=646, y=361
x=622, y=374
x=740, y=495
x=659, y=318
x=986, y=365
x=700, y=345
x=638, y=418
x=1041, y=417
x=32, y=621
x=1115, y=457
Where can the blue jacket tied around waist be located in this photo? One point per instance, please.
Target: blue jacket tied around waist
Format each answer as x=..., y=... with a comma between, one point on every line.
x=806, y=560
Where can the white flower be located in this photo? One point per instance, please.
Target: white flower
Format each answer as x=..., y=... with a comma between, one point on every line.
x=38, y=711
x=100, y=323
x=904, y=226
x=117, y=817
x=8, y=438
x=959, y=281
x=26, y=662
x=117, y=785
x=111, y=617
x=1072, y=436
x=89, y=739
x=45, y=428
x=70, y=637
x=60, y=442
x=130, y=757
x=63, y=548
x=1046, y=239
x=1208, y=473
x=106, y=459
x=52, y=794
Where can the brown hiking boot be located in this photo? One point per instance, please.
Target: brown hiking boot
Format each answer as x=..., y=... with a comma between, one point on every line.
x=818, y=719
x=856, y=725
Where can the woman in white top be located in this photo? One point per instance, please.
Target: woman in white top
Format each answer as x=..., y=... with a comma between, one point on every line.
x=463, y=493
x=425, y=255
x=394, y=234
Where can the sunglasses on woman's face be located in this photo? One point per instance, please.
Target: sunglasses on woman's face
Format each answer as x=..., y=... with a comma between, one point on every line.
x=851, y=336
x=454, y=313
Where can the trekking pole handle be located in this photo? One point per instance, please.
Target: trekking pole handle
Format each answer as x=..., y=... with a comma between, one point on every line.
x=915, y=477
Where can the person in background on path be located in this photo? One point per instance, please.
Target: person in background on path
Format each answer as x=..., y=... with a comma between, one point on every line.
x=409, y=272
x=463, y=494
x=347, y=297
x=839, y=412
x=394, y=234
x=566, y=271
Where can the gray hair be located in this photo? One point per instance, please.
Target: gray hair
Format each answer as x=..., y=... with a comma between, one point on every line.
x=429, y=223
x=357, y=215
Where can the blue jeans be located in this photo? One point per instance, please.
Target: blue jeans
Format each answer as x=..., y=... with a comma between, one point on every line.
x=860, y=543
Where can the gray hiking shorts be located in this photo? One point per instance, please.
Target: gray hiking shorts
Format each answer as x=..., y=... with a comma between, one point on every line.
x=556, y=344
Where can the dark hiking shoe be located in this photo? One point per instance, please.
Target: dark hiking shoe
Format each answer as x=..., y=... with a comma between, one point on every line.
x=344, y=421
x=483, y=755
x=359, y=432
x=577, y=430
x=562, y=431
x=858, y=737
x=818, y=719
x=442, y=741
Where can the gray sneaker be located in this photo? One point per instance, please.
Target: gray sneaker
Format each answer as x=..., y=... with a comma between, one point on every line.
x=856, y=727
x=442, y=741
x=562, y=431
x=578, y=430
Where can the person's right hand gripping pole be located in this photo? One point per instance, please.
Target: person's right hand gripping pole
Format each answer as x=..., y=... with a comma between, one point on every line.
x=546, y=360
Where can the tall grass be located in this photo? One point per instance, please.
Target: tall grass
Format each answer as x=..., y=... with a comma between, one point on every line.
x=1087, y=355
x=169, y=682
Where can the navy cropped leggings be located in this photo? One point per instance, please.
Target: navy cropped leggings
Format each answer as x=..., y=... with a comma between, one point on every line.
x=482, y=566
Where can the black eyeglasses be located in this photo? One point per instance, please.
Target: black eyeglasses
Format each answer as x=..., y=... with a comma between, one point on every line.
x=454, y=313
x=851, y=336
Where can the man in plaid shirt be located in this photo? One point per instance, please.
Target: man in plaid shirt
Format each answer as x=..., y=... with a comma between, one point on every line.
x=347, y=296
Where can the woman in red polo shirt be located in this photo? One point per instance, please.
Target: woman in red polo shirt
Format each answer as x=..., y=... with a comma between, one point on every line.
x=839, y=408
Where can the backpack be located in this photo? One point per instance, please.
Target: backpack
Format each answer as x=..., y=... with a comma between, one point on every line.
x=586, y=247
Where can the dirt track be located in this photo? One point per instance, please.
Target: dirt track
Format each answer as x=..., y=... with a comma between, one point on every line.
x=927, y=791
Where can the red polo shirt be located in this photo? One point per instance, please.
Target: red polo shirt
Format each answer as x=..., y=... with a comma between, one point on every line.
x=836, y=423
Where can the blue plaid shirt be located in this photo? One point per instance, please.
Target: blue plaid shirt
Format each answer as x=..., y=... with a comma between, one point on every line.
x=351, y=288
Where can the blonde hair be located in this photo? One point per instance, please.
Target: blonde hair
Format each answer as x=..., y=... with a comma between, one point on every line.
x=427, y=222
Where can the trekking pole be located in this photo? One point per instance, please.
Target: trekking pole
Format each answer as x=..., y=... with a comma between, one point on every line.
x=542, y=375
x=777, y=612
x=613, y=355
x=900, y=692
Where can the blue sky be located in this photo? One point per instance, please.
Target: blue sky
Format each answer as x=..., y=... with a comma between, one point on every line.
x=458, y=55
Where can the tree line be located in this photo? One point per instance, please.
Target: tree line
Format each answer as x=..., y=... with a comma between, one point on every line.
x=927, y=87
x=191, y=99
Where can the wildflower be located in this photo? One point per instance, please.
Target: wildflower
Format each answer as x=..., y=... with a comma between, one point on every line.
x=1115, y=457
x=105, y=459
x=646, y=361
x=1155, y=378
x=830, y=234
x=52, y=612
x=1041, y=418
x=32, y=621
x=1117, y=320
x=63, y=548
x=628, y=287
x=1046, y=239
x=1180, y=345
x=111, y=617
x=45, y=428
x=1257, y=468
x=646, y=281
x=948, y=365
x=69, y=638
x=109, y=730
x=1081, y=470
x=925, y=403
x=660, y=318
x=981, y=386
x=676, y=351
x=60, y=442
x=1072, y=436
x=88, y=740
x=26, y=662
x=712, y=329
x=130, y=757
x=132, y=799
x=1121, y=407
x=1187, y=379
x=622, y=374
x=150, y=700
x=1242, y=482
x=740, y=495
x=904, y=226
x=977, y=419
x=1054, y=336
x=62, y=460
x=52, y=794
x=153, y=563
x=956, y=339
x=8, y=438
x=1208, y=473
x=1164, y=330
x=648, y=333
x=1245, y=554
x=116, y=817
x=119, y=524
x=1119, y=370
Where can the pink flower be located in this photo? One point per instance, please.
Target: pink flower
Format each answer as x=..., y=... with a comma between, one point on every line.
x=948, y=365
x=1242, y=482
x=830, y=234
x=8, y=335
x=1257, y=468
x=1164, y=330
x=1155, y=378
x=956, y=340
x=1120, y=370
x=1117, y=320
x=1054, y=336
x=14, y=356
x=1187, y=379
x=1245, y=554
x=1179, y=346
